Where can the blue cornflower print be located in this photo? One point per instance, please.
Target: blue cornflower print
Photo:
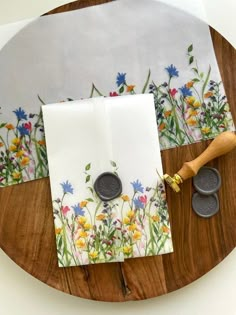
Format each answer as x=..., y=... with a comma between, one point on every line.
x=20, y=114
x=173, y=72
x=78, y=210
x=67, y=187
x=23, y=131
x=185, y=91
x=137, y=186
x=120, y=79
x=138, y=203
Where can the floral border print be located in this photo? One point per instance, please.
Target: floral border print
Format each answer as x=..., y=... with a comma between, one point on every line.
x=23, y=155
x=92, y=231
x=196, y=111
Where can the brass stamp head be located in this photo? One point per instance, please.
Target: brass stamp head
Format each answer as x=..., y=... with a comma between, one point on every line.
x=173, y=182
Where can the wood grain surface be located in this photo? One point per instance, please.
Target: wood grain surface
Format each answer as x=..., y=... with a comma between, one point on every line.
x=27, y=230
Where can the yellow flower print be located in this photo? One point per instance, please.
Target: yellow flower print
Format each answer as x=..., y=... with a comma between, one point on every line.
x=20, y=153
x=132, y=227
x=192, y=112
x=196, y=104
x=156, y=218
x=83, y=234
x=83, y=204
x=12, y=148
x=162, y=126
x=189, y=84
x=93, y=254
x=41, y=142
x=131, y=214
x=15, y=141
x=100, y=217
x=190, y=100
x=208, y=94
x=87, y=226
x=167, y=113
x=25, y=161
x=16, y=175
x=137, y=235
x=1, y=144
x=206, y=130
x=81, y=220
x=191, y=121
x=130, y=88
x=80, y=243
x=165, y=229
x=58, y=231
x=127, y=249
x=9, y=127
x=126, y=220
x=125, y=198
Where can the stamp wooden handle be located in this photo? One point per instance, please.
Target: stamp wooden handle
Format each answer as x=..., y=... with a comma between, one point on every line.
x=222, y=144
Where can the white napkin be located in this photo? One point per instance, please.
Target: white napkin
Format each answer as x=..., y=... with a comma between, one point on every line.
x=159, y=50
x=85, y=139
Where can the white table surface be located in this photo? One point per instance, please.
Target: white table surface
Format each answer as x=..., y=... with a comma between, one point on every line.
x=214, y=293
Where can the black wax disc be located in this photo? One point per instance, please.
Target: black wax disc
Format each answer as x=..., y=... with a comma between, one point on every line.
x=205, y=205
x=207, y=181
x=108, y=186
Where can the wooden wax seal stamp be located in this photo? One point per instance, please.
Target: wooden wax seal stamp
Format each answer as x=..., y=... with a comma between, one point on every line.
x=222, y=144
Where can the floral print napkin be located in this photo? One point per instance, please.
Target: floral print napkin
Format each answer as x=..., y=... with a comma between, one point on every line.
x=100, y=135
x=168, y=54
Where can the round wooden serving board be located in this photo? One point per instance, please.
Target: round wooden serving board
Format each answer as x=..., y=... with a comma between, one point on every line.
x=27, y=230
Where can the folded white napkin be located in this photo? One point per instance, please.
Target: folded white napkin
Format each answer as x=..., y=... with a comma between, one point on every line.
x=91, y=137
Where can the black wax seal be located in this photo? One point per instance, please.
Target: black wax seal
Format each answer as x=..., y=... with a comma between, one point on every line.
x=108, y=186
x=205, y=205
x=207, y=181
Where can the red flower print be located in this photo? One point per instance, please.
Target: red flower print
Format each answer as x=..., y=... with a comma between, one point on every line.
x=143, y=199
x=28, y=126
x=112, y=94
x=65, y=210
x=173, y=92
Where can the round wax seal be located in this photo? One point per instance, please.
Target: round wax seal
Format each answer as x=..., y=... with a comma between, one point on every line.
x=207, y=181
x=205, y=205
x=108, y=186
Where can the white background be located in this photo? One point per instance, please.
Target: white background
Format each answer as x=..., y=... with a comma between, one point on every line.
x=212, y=294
